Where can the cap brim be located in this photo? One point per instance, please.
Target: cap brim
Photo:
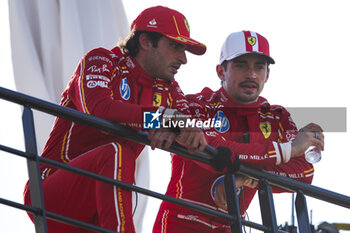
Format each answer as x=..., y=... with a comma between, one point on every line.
x=268, y=58
x=194, y=46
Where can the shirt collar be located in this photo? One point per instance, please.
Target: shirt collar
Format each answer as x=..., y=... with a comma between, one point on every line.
x=135, y=70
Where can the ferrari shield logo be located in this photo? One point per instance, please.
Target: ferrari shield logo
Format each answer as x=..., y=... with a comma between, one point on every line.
x=157, y=99
x=251, y=40
x=187, y=25
x=265, y=128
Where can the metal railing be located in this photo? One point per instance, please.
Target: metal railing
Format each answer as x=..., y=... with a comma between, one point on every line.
x=209, y=156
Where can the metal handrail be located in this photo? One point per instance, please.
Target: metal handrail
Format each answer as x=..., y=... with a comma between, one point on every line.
x=295, y=186
x=98, y=123
x=206, y=157
x=141, y=137
x=124, y=185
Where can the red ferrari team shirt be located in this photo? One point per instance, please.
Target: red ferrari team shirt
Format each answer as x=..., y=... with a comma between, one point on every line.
x=255, y=133
x=110, y=85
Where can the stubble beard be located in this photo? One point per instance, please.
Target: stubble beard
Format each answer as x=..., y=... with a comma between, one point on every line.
x=247, y=98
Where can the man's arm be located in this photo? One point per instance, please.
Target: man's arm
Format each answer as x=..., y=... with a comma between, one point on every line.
x=291, y=144
x=92, y=93
x=191, y=138
x=296, y=168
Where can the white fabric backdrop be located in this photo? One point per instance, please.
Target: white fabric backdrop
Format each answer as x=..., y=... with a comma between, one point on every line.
x=48, y=38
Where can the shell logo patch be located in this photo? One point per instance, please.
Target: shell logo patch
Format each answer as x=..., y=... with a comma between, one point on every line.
x=157, y=99
x=251, y=40
x=187, y=25
x=124, y=89
x=265, y=128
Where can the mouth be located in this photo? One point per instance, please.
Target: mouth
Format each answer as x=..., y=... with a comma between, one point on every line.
x=249, y=86
x=174, y=68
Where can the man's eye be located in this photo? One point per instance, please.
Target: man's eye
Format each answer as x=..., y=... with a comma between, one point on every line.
x=177, y=46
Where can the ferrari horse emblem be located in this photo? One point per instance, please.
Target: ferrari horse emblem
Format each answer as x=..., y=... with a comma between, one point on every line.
x=265, y=128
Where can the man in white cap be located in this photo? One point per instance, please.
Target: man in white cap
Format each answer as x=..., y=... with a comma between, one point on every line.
x=260, y=134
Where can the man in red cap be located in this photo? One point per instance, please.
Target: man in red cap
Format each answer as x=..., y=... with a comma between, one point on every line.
x=116, y=85
x=261, y=135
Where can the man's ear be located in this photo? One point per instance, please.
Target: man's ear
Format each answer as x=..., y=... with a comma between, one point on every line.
x=220, y=71
x=144, y=41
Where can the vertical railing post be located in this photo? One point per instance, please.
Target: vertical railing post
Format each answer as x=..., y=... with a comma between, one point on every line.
x=232, y=203
x=267, y=206
x=36, y=191
x=292, y=228
x=302, y=213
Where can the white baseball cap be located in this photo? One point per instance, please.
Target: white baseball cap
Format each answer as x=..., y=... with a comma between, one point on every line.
x=243, y=42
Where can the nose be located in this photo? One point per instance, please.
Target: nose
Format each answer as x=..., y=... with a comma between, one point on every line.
x=251, y=74
x=182, y=57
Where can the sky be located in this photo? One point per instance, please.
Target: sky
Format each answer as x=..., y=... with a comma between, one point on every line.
x=309, y=40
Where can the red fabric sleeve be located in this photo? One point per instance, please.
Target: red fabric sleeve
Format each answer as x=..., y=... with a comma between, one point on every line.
x=297, y=168
x=92, y=90
x=254, y=154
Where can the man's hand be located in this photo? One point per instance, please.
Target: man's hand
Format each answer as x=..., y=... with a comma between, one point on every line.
x=310, y=135
x=220, y=196
x=159, y=136
x=193, y=139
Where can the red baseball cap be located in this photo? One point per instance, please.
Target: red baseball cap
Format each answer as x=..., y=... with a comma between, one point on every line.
x=171, y=24
x=240, y=43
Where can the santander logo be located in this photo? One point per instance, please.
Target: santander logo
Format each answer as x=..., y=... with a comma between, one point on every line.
x=152, y=23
